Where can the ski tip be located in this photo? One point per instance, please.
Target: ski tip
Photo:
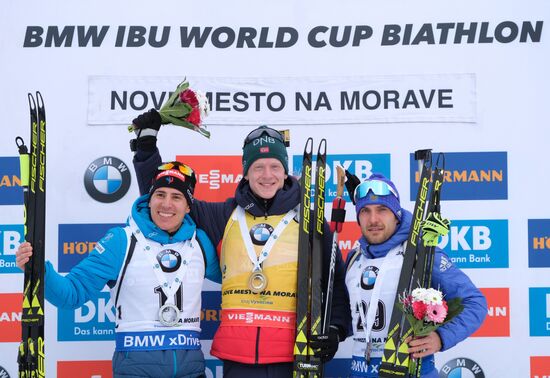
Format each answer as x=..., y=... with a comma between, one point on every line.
x=39, y=99
x=32, y=103
x=322, y=146
x=309, y=145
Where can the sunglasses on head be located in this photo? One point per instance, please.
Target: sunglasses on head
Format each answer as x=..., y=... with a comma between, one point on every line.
x=254, y=134
x=185, y=169
x=377, y=187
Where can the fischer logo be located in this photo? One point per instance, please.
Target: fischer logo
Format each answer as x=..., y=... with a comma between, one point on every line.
x=497, y=322
x=477, y=243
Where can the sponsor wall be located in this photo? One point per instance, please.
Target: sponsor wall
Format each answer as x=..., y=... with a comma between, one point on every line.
x=378, y=81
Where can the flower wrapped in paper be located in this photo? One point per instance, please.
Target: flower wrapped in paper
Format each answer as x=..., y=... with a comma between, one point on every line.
x=185, y=107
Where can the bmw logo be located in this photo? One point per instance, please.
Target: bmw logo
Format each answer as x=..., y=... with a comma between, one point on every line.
x=169, y=260
x=107, y=179
x=368, y=278
x=4, y=373
x=260, y=233
x=461, y=368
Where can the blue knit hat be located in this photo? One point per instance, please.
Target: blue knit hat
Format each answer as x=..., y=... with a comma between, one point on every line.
x=377, y=190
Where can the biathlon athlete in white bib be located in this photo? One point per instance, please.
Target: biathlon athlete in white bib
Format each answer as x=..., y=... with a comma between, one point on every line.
x=373, y=271
x=154, y=268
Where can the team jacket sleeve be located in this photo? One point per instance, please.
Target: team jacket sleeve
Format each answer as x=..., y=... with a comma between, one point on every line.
x=212, y=271
x=454, y=283
x=340, y=313
x=145, y=169
x=89, y=277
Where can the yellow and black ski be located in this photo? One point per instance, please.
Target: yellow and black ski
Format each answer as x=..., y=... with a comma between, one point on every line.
x=33, y=180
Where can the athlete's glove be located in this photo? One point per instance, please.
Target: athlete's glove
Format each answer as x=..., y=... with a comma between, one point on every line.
x=146, y=127
x=351, y=183
x=325, y=346
x=433, y=227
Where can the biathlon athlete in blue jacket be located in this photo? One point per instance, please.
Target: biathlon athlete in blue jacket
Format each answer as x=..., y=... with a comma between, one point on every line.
x=256, y=335
x=154, y=268
x=373, y=270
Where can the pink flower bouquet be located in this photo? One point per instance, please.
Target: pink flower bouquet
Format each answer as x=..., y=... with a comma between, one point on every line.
x=426, y=310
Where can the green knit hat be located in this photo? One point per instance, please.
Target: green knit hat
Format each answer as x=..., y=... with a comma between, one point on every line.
x=264, y=142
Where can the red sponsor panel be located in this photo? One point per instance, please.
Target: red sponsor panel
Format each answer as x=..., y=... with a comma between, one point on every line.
x=540, y=366
x=217, y=176
x=347, y=238
x=10, y=317
x=497, y=322
x=84, y=369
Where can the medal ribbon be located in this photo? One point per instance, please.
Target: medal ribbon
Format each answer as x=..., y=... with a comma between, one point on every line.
x=368, y=319
x=258, y=260
x=150, y=252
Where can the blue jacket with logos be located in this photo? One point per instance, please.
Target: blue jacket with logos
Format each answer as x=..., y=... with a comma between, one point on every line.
x=213, y=217
x=89, y=277
x=446, y=277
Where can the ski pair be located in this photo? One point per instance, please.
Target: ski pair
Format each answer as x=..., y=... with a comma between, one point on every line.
x=33, y=181
x=310, y=319
x=416, y=270
x=310, y=245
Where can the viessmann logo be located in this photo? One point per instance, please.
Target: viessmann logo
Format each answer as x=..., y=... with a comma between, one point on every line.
x=469, y=176
x=84, y=369
x=497, y=322
x=10, y=317
x=217, y=176
x=540, y=366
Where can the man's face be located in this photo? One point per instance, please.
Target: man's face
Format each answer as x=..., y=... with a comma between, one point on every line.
x=378, y=223
x=168, y=208
x=266, y=176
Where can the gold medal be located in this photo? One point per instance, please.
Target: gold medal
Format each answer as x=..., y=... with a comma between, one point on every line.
x=169, y=315
x=257, y=282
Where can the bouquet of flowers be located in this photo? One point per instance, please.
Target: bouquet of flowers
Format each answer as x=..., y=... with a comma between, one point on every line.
x=426, y=310
x=186, y=107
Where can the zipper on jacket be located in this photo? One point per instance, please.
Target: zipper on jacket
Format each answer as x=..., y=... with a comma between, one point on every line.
x=257, y=346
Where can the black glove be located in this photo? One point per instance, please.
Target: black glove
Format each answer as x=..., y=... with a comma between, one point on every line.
x=148, y=120
x=325, y=346
x=146, y=126
x=351, y=183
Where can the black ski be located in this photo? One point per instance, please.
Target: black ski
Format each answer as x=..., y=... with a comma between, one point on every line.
x=426, y=253
x=396, y=359
x=301, y=352
x=337, y=219
x=33, y=180
x=310, y=249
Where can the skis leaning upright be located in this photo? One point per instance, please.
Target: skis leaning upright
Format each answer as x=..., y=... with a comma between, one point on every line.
x=33, y=180
x=310, y=245
x=416, y=271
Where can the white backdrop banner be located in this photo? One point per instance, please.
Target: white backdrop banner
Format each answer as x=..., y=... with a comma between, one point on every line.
x=298, y=101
